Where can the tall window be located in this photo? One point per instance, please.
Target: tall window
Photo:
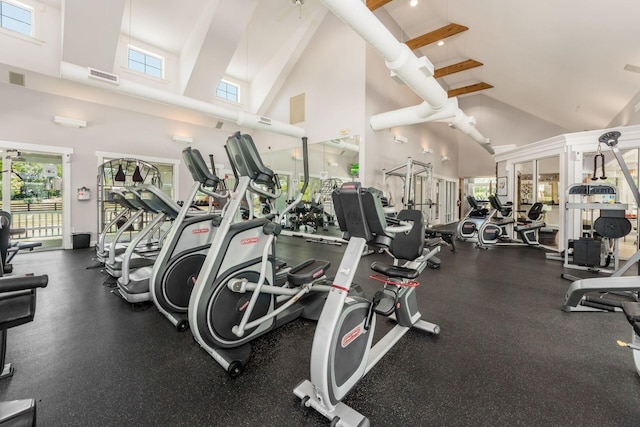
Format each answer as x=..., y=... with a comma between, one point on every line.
x=15, y=18
x=145, y=62
x=228, y=91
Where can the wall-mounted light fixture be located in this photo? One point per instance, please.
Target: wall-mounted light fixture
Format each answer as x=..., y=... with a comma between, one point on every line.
x=445, y=158
x=427, y=151
x=296, y=157
x=182, y=139
x=66, y=121
x=400, y=139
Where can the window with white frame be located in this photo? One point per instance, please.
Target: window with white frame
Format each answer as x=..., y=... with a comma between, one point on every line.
x=145, y=62
x=229, y=91
x=16, y=17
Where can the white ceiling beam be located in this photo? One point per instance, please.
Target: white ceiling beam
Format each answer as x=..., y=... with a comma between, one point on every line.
x=269, y=80
x=226, y=25
x=90, y=32
x=193, y=45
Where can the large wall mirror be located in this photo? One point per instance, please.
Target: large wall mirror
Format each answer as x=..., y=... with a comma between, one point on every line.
x=330, y=164
x=538, y=181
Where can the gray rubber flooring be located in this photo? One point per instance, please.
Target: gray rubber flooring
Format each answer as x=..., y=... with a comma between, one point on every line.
x=507, y=355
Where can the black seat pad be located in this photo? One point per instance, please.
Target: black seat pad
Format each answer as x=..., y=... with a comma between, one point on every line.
x=16, y=308
x=307, y=272
x=395, y=271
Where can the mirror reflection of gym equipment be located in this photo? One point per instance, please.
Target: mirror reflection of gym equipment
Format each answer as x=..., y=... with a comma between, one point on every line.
x=330, y=164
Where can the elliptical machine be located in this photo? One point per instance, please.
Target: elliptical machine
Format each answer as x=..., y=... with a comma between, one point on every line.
x=342, y=351
x=179, y=262
x=236, y=297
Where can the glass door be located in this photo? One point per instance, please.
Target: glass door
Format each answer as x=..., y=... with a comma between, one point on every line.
x=450, y=202
x=547, y=193
x=525, y=194
x=34, y=183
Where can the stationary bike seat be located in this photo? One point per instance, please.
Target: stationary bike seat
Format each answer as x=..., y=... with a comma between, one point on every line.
x=395, y=271
x=307, y=272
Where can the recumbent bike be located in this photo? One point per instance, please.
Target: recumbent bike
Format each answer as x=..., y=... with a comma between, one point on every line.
x=342, y=351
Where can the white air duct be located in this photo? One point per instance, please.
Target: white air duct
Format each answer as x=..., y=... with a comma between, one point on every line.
x=416, y=73
x=340, y=143
x=81, y=75
x=420, y=113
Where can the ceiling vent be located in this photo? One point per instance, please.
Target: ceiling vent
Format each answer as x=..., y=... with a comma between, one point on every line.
x=264, y=120
x=103, y=76
x=16, y=78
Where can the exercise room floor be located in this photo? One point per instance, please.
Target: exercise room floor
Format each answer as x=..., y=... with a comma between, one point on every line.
x=507, y=355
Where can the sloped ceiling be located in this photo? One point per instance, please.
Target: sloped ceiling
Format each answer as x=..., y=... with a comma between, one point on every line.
x=562, y=61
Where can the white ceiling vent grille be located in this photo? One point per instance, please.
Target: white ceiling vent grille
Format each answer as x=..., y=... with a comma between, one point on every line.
x=103, y=76
x=264, y=120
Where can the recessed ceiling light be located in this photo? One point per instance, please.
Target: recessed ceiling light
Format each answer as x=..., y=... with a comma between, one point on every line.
x=413, y=3
x=441, y=43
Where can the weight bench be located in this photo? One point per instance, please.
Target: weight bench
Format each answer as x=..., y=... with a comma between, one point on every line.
x=632, y=312
x=16, y=247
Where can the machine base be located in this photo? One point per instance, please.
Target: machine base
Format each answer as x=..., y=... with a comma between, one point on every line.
x=342, y=415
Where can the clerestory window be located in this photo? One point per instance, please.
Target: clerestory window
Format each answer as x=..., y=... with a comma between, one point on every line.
x=229, y=91
x=146, y=62
x=16, y=17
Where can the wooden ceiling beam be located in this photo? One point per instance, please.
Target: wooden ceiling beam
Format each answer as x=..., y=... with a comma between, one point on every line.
x=468, y=89
x=436, y=35
x=456, y=68
x=374, y=4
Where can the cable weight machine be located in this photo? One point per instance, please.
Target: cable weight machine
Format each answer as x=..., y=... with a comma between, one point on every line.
x=576, y=298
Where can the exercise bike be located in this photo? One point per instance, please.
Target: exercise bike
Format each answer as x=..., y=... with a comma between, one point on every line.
x=496, y=230
x=469, y=227
x=179, y=262
x=342, y=351
x=236, y=297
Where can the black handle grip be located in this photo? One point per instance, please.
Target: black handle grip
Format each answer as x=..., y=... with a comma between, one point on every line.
x=10, y=284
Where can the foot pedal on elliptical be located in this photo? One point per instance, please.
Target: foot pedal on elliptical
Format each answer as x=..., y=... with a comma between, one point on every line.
x=384, y=302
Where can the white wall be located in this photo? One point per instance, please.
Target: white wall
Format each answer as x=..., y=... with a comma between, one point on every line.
x=330, y=74
x=628, y=116
x=28, y=118
x=504, y=125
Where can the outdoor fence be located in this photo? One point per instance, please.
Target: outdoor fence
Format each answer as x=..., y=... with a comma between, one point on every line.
x=37, y=219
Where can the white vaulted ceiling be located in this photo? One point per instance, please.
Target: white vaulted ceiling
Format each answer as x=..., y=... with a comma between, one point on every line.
x=562, y=61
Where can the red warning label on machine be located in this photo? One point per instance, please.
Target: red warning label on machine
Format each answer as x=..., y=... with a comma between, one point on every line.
x=350, y=336
x=200, y=230
x=249, y=240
